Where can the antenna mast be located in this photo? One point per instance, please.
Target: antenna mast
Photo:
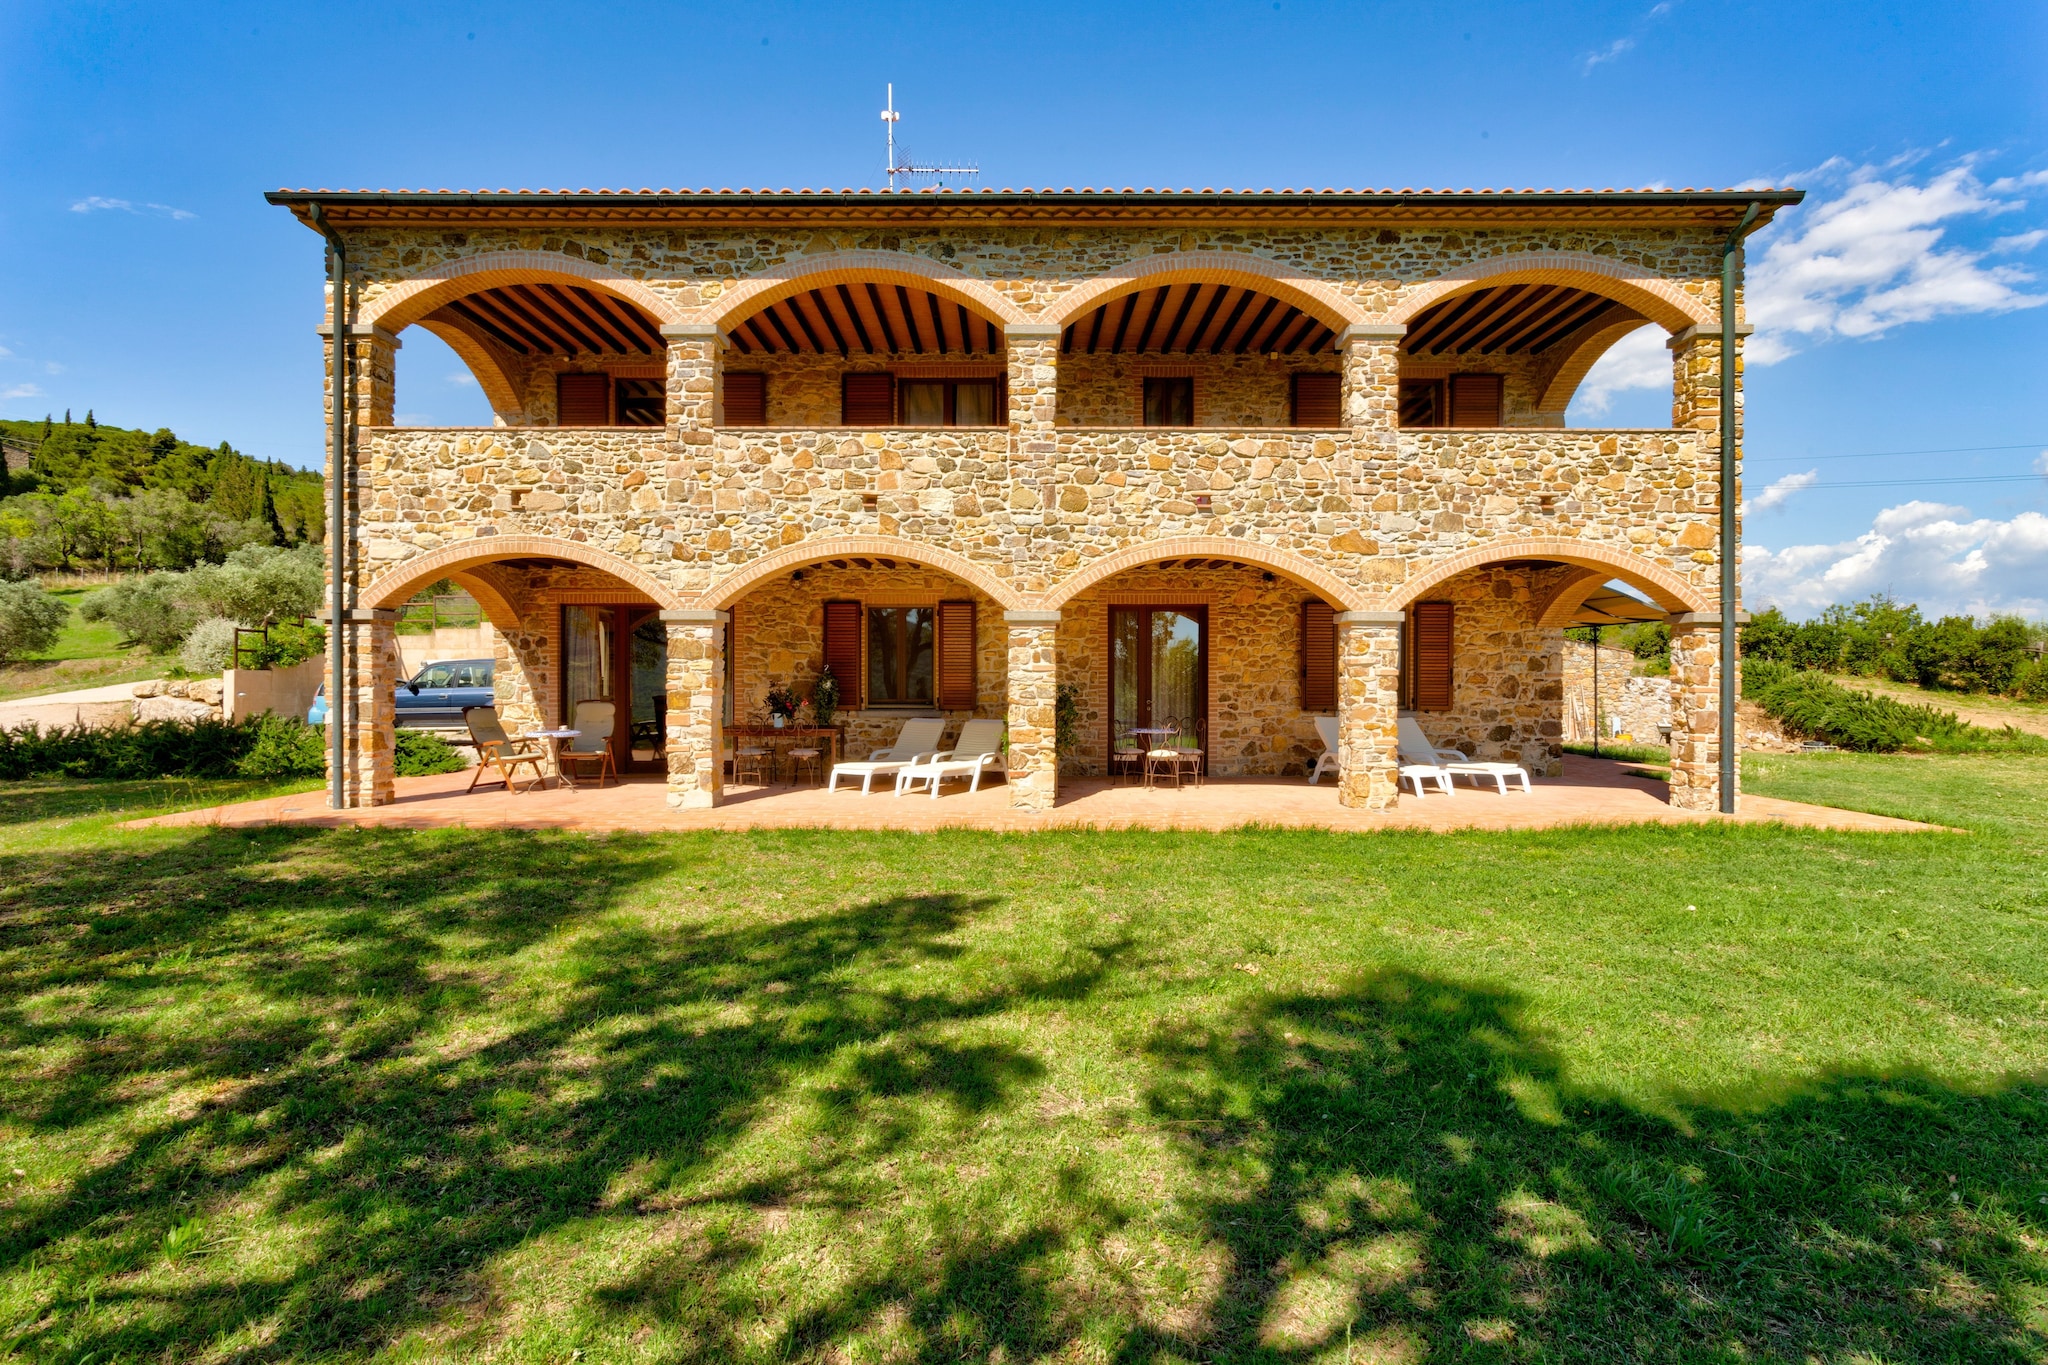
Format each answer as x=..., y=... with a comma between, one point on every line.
x=890, y=118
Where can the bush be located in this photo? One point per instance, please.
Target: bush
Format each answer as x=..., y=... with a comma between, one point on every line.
x=2032, y=682
x=285, y=746
x=147, y=611
x=284, y=646
x=30, y=620
x=209, y=648
x=1816, y=706
x=420, y=752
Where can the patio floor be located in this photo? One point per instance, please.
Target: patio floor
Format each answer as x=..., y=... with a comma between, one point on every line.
x=1592, y=791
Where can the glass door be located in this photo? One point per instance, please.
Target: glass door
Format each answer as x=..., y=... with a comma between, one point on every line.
x=619, y=654
x=1159, y=671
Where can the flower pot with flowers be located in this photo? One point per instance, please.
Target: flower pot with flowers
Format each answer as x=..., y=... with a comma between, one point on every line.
x=825, y=696
x=782, y=704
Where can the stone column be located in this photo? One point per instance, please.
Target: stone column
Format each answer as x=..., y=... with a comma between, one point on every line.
x=1034, y=354
x=1696, y=710
x=1033, y=690
x=1368, y=708
x=696, y=708
x=372, y=374
x=695, y=355
x=368, y=639
x=1372, y=375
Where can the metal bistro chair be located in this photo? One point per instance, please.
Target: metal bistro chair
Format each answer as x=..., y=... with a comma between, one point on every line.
x=1126, y=755
x=594, y=722
x=800, y=759
x=1159, y=757
x=1189, y=756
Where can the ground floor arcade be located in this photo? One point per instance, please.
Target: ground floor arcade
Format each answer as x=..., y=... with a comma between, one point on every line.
x=1232, y=654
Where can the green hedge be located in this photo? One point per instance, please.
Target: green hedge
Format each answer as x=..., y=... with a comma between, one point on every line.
x=269, y=746
x=1816, y=706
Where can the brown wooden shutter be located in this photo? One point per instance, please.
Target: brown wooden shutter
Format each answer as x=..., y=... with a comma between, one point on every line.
x=1475, y=400
x=867, y=400
x=1432, y=656
x=842, y=650
x=583, y=400
x=1318, y=656
x=1316, y=400
x=955, y=663
x=746, y=400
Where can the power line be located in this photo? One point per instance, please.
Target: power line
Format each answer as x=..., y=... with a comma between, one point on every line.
x=1935, y=479
x=1885, y=454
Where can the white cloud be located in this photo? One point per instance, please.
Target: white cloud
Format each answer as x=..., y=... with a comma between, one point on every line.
x=2021, y=241
x=1930, y=553
x=21, y=391
x=1608, y=53
x=1639, y=360
x=94, y=203
x=1873, y=257
x=461, y=378
x=1781, y=491
x=2041, y=464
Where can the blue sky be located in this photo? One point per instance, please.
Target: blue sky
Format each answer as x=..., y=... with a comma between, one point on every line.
x=142, y=276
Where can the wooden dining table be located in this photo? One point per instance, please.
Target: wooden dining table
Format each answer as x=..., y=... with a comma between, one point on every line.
x=788, y=735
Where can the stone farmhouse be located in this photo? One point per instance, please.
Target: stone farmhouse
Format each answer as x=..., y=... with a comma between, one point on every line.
x=1235, y=458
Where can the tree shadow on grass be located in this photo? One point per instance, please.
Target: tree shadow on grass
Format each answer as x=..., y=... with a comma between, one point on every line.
x=368, y=1079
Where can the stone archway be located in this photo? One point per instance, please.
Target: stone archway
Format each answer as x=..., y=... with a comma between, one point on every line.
x=406, y=302
x=1659, y=583
x=801, y=273
x=730, y=590
x=1319, y=580
x=1655, y=297
x=396, y=585
x=1220, y=267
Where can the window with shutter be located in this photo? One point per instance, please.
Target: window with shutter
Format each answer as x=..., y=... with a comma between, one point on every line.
x=1431, y=656
x=1316, y=400
x=867, y=400
x=1422, y=402
x=844, y=622
x=956, y=656
x=1169, y=402
x=583, y=400
x=746, y=399
x=1475, y=400
x=1318, y=656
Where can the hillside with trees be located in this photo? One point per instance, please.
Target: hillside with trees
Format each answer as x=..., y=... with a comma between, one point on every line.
x=83, y=495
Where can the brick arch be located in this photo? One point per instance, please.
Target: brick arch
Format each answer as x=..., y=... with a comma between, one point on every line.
x=498, y=388
x=803, y=273
x=1285, y=562
x=490, y=595
x=396, y=585
x=753, y=574
x=1662, y=586
x=1569, y=596
x=1655, y=297
x=1563, y=385
x=1311, y=296
x=409, y=301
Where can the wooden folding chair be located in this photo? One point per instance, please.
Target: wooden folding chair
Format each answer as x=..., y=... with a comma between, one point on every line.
x=495, y=751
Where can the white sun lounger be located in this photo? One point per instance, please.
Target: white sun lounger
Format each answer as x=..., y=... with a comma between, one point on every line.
x=979, y=748
x=915, y=740
x=1456, y=762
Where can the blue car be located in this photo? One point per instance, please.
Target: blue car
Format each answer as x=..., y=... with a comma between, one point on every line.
x=435, y=697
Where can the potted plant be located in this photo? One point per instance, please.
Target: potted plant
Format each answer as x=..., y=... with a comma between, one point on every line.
x=825, y=696
x=782, y=704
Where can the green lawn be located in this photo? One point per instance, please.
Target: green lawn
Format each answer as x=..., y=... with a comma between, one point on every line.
x=1650, y=1094
x=86, y=654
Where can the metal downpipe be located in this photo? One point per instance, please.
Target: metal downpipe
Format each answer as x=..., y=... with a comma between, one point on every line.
x=337, y=529
x=1731, y=255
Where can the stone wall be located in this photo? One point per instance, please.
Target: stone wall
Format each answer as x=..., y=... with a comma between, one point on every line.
x=1105, y=390
x=1639, y=705
x=1507, y=695
x=777, y=635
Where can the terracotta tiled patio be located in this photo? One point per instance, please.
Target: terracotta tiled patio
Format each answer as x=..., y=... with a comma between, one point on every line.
x=1592, y=791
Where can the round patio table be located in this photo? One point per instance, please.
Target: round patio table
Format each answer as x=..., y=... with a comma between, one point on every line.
x=554, y=739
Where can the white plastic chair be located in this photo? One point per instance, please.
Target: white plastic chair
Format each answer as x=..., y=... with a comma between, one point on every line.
x=917, y=739
x=979, y=748
x=1326, y=731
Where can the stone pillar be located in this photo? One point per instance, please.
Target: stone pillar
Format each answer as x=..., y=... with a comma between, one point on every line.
x=695, y=355
x=1368, y=708
x=696, y=708
x=368, y=639
x=1033, y=691
x=372, y=375
x=1696, y=710
x=1034, y=354
x=1372, y=375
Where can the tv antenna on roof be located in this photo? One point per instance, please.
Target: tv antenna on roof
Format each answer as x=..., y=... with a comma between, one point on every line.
x=907, y=167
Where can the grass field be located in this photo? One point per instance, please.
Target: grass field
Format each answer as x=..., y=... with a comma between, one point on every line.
x=86, y=654
x=1647, y=1094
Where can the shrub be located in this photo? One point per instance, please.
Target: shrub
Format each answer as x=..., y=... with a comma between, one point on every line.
x=285, y=746
x=30, y=620
x=209, y=648
x=420, y=752
x=1815, y=705
x=284, y=646
x=2032, y=682
x=147, y=611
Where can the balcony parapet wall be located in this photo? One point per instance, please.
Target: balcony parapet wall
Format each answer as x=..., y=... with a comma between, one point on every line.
x=1372, y=513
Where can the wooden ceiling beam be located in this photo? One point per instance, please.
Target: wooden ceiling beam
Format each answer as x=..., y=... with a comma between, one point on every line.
x=1116, y=343
x=540, y=305
x=1230, y=324
x=1208, y=316
x=1257, y=323
x=1180, y=319
x=1152, y=317
x=931, y=303
x=517, y=315
x=1423, y=333
x=796, y=310
x=882, y=317
x=462, y=309
x=860, y=328
x=909, y=319
x=824, y=307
